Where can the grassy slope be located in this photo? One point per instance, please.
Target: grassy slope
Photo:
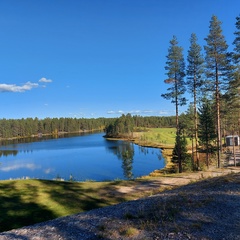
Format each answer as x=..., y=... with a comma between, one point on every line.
x=157, y=137
x=25, y=202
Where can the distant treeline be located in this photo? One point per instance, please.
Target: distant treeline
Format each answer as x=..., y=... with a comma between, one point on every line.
x=12, y=128
x=126, y=124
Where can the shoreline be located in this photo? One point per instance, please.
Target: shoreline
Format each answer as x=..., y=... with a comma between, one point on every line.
x=165, y=148
x=40, y=135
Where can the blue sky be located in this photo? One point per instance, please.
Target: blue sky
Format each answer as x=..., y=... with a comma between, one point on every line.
x=96, y=58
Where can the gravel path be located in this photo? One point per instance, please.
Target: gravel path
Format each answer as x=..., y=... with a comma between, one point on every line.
x=207, y=209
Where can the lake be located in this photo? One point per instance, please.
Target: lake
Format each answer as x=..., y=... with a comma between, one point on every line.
x=77, y=158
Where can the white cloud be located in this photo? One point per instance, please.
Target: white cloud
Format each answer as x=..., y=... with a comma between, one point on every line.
x=45, y=80
x=148, y=111
x=164, y=112
x=135, y=111
x=15, y=88
x=23, y=88
x=48, y=170
x=110, y=112
x=115, y=112
x=141, y=112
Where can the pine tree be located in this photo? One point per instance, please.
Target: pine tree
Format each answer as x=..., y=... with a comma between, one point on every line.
x=175, y=67
x=236, y=41
x=186, y=121
x=232, y=96
x=195, y=81
x=217, y=70
x=234, y=86
x=206, y=127
x=180, y=150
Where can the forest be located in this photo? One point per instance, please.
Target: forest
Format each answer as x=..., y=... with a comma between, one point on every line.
x=212, y=77
x=18, y=128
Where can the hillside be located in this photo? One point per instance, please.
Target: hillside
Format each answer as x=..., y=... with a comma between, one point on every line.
x=205, y=209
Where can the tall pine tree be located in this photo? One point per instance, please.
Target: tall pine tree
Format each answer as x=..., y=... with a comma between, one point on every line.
x=175, y=67
x=217, y=70
x=232, y=96
x=234, y=86
x=195, y=81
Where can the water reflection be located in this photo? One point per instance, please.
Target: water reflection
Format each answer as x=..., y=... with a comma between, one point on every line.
x=19, y=165
x=88, y=156
x=125, y=153
x=5, y=153
x=148, y=150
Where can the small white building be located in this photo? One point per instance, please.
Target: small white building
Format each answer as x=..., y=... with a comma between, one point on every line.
x=231, y=138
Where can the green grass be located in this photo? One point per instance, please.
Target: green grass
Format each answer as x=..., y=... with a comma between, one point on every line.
x=160, y=137
x=25, y=202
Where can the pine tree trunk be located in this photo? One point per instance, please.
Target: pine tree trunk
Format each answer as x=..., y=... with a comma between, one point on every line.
x=234, y=155
x=218, y=121
x=192, y=153
x=196, y=127
x=207, y=156
x=178, y=130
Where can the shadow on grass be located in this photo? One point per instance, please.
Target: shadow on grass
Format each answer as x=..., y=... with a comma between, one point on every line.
x=26, y=202
x=16, y=212
x=80, y=197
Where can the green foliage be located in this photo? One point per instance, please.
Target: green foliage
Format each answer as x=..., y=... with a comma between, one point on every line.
x=236, y=41
x=218, y=71
x=126, y=124
x=216, y=58
x=207, y=129
x=186, y=122
x=180, y=155
x=175, y=67
x=195, y=67
x=195, y=85
x=232, y=95
x=17, y=128
x=122, y=127
x=154, y=121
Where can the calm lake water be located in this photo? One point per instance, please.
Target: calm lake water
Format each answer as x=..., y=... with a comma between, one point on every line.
x=78, y=158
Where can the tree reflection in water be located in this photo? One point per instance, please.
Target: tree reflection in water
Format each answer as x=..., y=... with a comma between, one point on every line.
x=6, y=153
x=145, y=151
x=125, y=153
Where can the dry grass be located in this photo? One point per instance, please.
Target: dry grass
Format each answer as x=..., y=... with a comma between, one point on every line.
x=182, y=210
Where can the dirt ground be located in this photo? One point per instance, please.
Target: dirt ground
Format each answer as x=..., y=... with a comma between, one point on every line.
x=172, y=181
